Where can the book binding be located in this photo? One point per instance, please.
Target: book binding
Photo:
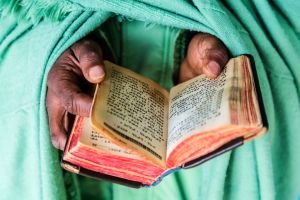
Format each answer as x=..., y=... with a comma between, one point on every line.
x=134, y=184
x=99, y=176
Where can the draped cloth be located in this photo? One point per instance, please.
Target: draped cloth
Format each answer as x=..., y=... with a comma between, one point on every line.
x=33, y=33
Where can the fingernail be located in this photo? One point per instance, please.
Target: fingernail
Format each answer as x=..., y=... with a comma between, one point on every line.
x=96, y=72
x=58, y=143
x=214, y=68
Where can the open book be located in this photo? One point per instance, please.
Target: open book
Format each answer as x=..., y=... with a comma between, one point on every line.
x=138, y=132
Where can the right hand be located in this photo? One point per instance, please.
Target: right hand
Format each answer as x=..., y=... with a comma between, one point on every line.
x=69, y=80
x=206, y=55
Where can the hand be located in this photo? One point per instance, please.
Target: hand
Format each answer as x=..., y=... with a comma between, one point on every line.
x=69, y=82
x=206, y=54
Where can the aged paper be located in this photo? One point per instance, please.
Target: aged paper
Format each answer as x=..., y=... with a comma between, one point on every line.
x=198, y=105
x=134, y=109
x=96, y=140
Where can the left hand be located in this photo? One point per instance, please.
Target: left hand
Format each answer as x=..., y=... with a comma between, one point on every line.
x=206, y=54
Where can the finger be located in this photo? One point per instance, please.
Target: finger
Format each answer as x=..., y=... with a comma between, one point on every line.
x=77, y=103
x=65, y=84
x=89, y=57
x=207, y=54
x=56, y=117
x=214, y=61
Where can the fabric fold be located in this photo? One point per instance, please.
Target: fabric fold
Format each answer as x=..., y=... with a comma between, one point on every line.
x=30, y=43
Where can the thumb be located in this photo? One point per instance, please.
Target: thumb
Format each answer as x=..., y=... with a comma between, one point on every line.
x=207, y=55
x=89, y=58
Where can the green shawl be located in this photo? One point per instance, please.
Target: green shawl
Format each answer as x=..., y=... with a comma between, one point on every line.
x=33, y=33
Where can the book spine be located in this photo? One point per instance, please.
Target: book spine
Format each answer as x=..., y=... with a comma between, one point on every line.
x=100, y=176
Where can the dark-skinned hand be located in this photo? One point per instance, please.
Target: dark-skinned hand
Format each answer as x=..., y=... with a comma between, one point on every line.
x=69, y=81
x=81, y=66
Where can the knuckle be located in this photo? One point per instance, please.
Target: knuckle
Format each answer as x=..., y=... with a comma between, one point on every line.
x=89, y=56
x=69, y=103
x=77, y=104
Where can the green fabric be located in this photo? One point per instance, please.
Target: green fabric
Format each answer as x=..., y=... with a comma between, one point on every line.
x=266, y=168
x=148, y=49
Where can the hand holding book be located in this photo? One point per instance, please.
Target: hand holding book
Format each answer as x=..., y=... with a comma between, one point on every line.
x=69, y=83
x=152, y=132
x=71, y=77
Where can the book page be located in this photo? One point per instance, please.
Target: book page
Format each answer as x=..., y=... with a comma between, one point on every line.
x=198, y=105
x=96, y=140
x=134, y=110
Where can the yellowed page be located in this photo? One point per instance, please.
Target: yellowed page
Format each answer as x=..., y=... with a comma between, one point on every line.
x=92, y=138
x=198, y=105
x=134, y=110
